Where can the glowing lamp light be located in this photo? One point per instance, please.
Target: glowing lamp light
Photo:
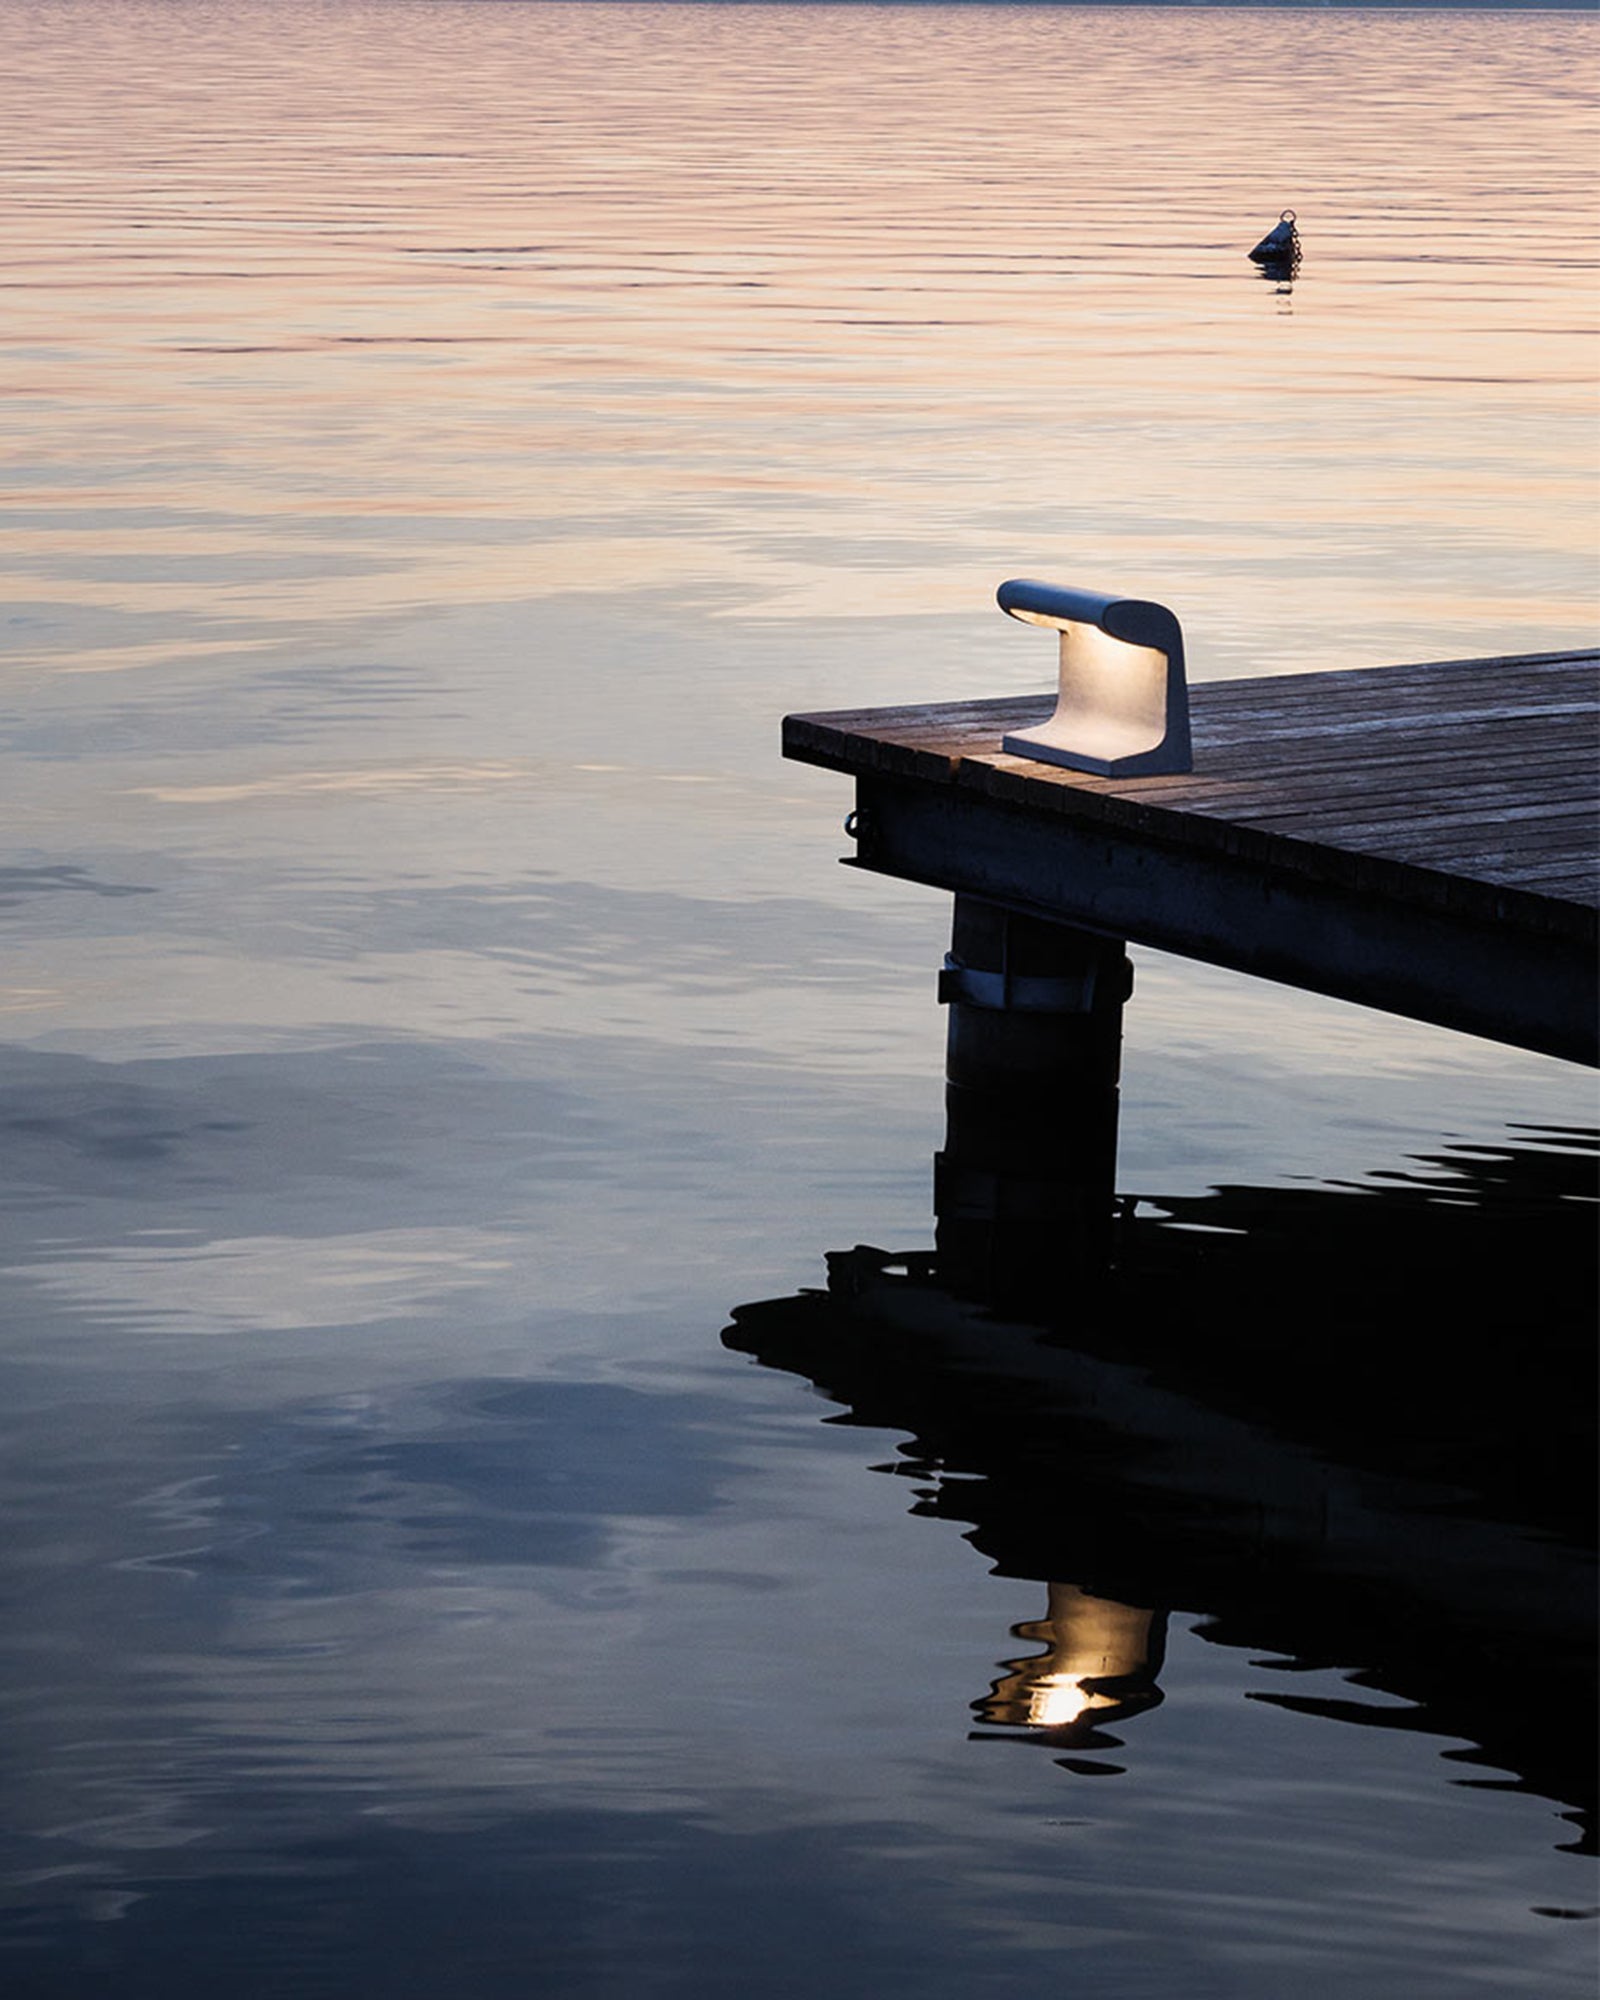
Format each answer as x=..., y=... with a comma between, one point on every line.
x=1122, y=710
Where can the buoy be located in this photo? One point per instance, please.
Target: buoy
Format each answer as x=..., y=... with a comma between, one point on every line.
x=1280, y=245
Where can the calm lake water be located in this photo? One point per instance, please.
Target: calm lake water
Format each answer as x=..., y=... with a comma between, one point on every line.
x=445, y=439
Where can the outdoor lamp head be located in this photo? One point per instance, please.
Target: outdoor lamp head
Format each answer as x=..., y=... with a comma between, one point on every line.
x=1122, y=709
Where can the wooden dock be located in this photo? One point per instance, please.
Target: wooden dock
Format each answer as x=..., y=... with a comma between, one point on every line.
x=1420, y=839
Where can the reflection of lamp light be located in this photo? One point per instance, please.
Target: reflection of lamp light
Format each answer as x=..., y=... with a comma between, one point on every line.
x=1100, y=1664
x=1123, y=706
x=1057, y=1698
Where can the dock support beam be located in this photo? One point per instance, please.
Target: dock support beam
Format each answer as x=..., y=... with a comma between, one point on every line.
x=1025, y=1188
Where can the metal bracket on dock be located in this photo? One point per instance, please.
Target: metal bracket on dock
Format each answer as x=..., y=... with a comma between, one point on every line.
x=1027, y=993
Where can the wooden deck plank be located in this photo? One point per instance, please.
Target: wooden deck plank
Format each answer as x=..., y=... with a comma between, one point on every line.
x=1422, y=751
x=1247, y=737
x=1465, y=793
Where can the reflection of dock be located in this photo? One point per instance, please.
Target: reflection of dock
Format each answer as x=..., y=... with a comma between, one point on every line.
x=1243, y=1420
x=1421, y=839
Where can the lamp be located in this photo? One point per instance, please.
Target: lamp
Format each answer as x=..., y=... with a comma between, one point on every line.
x=1123, y=706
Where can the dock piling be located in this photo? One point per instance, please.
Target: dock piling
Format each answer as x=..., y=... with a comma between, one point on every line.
x=1024, y=1190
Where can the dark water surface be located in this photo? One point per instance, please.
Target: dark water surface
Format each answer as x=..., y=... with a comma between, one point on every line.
x=446, y=438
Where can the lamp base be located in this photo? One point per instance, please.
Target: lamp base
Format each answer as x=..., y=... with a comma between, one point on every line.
x=1171, y=754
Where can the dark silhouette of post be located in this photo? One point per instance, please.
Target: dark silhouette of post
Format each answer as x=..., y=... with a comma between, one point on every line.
x=1024, y=1191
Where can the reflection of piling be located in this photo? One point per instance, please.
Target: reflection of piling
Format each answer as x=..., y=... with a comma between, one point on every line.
x=1025, y=1186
